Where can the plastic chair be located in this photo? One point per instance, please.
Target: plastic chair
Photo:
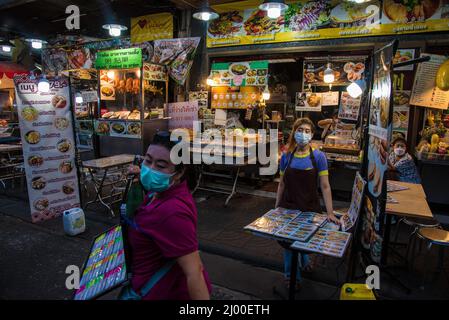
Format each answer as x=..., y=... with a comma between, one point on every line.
x=434, y=237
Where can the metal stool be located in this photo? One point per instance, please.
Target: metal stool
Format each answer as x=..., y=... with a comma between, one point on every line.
x=437, y=237
x=416, y=224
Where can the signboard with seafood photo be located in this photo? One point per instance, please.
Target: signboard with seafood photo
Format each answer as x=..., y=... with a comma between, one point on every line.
x=48, y=147
x=244, y=23
x=380, y=130
x=236, y=74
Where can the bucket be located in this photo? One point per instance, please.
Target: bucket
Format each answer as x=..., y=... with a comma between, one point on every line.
x=74, y=221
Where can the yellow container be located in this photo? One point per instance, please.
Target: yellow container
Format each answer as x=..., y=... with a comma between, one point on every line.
x=356, y=291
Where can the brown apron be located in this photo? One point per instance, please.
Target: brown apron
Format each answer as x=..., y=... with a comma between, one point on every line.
x=301, y=187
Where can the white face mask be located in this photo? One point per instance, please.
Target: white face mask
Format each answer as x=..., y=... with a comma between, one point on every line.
x=399, y=151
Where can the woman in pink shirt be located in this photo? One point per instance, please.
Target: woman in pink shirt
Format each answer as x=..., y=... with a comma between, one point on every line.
x=164, y=232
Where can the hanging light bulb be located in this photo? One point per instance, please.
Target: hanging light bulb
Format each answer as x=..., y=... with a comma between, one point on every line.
x=356, y=88
x=329, y=76
x=115, y=30
x=273, y=8
x=78, y=98
x=266, y=95
x=210, y=81
x=205, y=13
x=111, y=74
x=43, y=85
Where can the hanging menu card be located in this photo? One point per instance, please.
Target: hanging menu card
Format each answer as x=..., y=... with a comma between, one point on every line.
x=48, y=147
x=425, y=93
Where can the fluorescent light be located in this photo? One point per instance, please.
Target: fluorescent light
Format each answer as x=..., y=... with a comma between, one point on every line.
x=36, y=43
x=6, y=48
x=115, y=30
x=329, y=76
x=356, y=88
x=43, y=85
x=266, y=95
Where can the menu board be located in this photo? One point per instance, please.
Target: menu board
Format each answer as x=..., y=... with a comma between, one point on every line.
x=273, y=221
x=235, y=97
x=401, y=111
x=297, y=231
x=46, y=126
x=380, y=131
x=308, y=101
x=311, y=218
x=201, y=96
x=425, y=93
x=124, y=129
x=105, y=267
x=349, y=107
x=182, y=115
x=346, y=70
x=327, y=242
x=119, y=59
x=254, y=73
x=356, y=202
x=155, y=72
x=243, y=23
x=330, y=98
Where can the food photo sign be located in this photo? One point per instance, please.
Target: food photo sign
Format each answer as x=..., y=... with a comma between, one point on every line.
x=48, y=147
x=380, y=130
x=244, y=23
x=236, y=74
x=308, y=101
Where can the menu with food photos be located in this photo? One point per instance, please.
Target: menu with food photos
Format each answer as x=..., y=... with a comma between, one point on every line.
x=327, y=242
x=46, y=127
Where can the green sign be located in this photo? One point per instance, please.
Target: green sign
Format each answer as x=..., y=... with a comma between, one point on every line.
x=251, y=73
x=119, y=59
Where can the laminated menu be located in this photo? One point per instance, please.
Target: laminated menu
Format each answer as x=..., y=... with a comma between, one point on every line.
x=273, y=221
x=311, y=218
x=331, y=243
x=297, y=231
x=393, y=187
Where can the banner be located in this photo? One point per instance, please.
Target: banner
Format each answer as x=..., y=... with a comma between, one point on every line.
x=48, y=147
x=182, y=115
x=236, y=74
x=380, y=130
x=151, y=27
x=244, y=24
x=177, y=54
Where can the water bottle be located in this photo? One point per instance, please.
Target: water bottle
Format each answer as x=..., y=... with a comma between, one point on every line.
x=74, y=221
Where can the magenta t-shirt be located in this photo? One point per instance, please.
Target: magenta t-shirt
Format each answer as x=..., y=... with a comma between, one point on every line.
x=171, y=221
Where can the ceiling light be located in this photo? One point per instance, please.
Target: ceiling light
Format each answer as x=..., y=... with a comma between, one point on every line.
x=329, y=76
x=273, y=8
x=115, y=30
x=356, y=88
x=266, y=95
x=205, y=13
x=43, y=85
x=36, y=43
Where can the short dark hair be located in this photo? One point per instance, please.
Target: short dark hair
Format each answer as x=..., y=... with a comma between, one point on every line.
x=399, y=139
x=162, y=138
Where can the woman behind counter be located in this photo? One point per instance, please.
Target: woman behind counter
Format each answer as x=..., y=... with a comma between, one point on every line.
x=303, y=169
x=163, y=233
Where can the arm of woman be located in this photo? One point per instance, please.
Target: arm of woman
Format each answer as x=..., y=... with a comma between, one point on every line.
x=193, y=269
x=327, y=195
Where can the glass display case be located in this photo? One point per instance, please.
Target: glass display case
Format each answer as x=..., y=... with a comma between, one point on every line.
x=131, y=110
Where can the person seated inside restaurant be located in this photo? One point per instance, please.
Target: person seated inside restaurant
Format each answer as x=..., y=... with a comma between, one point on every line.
x=303, y=170
x=401, y=165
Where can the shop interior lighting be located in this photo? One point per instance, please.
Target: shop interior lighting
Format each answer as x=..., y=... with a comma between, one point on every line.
x=115, y=30
x=205, y=13
x=356, y=88
x=36, y=43
x=43, y=85
x=111, y=74
x=266, y=95
x=210, y=81
x=6, y=46
x=359, y=1
x=329, y=76
x=78, y=98
x=273, y=8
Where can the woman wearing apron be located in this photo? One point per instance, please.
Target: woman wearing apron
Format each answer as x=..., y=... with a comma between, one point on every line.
x=303, y=170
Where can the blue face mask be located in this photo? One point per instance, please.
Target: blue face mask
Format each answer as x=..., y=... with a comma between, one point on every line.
x=153, y=180
x=303, y=138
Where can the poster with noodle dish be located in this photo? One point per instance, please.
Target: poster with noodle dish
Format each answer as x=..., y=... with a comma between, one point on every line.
x=45, y=121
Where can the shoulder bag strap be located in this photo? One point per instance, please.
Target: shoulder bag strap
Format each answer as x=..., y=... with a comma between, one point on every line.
x=156, y=277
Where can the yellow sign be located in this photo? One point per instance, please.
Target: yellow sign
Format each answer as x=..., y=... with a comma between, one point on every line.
x=244, y=24
x=151, y=27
